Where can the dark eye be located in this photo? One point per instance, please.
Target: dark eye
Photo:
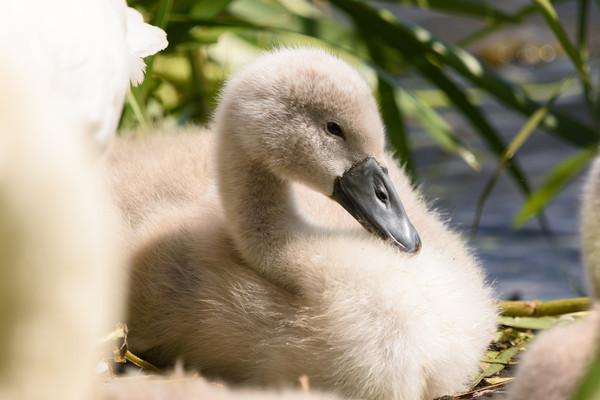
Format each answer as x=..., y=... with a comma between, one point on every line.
x=335, y=129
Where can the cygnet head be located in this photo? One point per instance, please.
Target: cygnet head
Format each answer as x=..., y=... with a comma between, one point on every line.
x=307, y=116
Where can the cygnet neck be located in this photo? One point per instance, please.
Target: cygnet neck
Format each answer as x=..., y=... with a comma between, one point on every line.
x=259, y=209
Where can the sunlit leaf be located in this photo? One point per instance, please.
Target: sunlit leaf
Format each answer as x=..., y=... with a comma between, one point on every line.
x=208, y=9
x=301, y=7
x=503, y=357
x=497, y=380
x=486, y=131
x=518, y=15
x=491, y=370
x=528, y=128
x=549, y=13
x=528, y=322
x=420, y=47
x=138, y=111
x=534, y=121
x=390, y=109
x=395, y=95
x=589, y=389
x=472, y=8
x=439, y=129
x=558, y=177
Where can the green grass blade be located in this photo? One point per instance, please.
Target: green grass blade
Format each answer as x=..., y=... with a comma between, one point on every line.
x=589, y=389
x=582, y=25
x=524, y=133
x=209, y=9
x=390, y=109
x=549, y=13
x=358, y=11
x=518, y=16
x=416, y=44
x=471, y=8
x=162, y=14
x=138, y=110
x=534, y=121
x=274, y=19
x=394, y=122
x=439, y=129
x=435, y=125
x=487, y=132
x=583, y=51
x=141, y=92
x=557, y=179
x=160, y=19
x=476, y=118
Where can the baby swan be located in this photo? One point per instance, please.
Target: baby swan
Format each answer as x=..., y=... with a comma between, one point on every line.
x=235, y=281
x=556, y=362
x=590, y=227
x=553, y=366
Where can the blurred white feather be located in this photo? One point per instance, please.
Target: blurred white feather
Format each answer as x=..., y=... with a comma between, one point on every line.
x=60, y=288
x=63, y=79
x=143, y=41
x=84, y=52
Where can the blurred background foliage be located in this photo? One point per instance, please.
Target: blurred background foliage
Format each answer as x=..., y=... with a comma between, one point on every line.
x=209, y=39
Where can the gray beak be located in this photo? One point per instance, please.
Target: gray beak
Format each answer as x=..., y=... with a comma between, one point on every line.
x=367, y=193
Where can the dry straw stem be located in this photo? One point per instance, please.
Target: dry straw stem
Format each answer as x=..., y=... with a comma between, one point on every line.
x=132, y=358
x=473, y=393
x=538, y=308
x=121, y=353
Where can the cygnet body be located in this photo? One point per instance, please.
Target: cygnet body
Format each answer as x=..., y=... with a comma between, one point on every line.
x=554, y=365
x=590, y=227
x=62, y=271
x=248, y=277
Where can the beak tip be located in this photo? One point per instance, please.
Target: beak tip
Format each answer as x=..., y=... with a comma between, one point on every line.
x=367, y=192
x=410, y=246
x=417, y=245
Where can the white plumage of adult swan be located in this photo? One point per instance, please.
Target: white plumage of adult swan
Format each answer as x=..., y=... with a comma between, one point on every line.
x=249, y=277
x=58, y=257
x=66, y=66
x=84, y=52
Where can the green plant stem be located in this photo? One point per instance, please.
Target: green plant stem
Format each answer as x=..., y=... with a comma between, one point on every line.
x=391, y=112
x=138, y=110
x=538, y=308
x=589, y=388
x=423, y=50
x=519, y=16
x=525, y=132
x=583, y=51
